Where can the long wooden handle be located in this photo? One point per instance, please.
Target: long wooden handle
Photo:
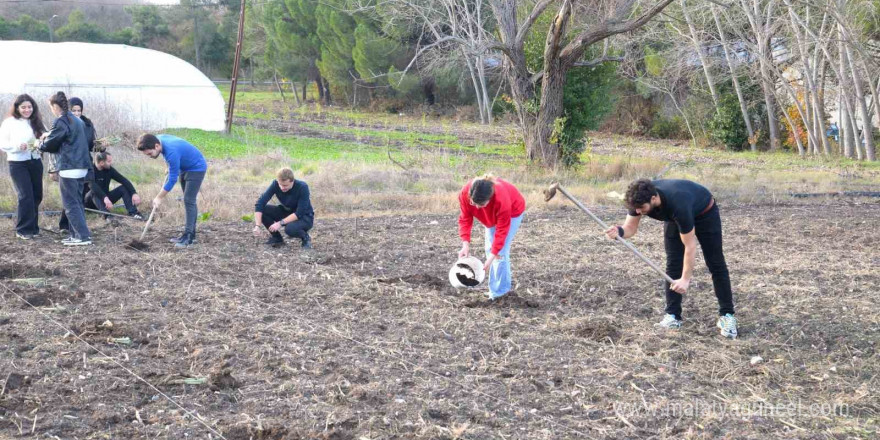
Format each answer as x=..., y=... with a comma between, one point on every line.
x=107, y=213
x=619, y=238
x=147, y=226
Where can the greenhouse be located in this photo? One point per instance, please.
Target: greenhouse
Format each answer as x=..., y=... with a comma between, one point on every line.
x=123, y=87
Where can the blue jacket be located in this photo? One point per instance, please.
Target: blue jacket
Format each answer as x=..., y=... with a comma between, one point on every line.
x=67, y=140
x=180, y=156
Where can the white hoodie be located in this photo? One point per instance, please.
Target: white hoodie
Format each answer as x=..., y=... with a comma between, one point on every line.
x=13, y=133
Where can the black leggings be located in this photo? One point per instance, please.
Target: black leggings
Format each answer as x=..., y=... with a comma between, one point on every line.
x=298, y=228
x=708, y=230
x=27, y=178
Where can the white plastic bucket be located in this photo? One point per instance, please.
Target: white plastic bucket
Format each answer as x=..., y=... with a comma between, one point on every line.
x=467, y=273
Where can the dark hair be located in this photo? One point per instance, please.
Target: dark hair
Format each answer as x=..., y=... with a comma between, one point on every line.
x=482, y=189
x=147, y=142
x=639, y=193
x=102, y=156
x=60, y=99
x=76, y=101
x=35, y=120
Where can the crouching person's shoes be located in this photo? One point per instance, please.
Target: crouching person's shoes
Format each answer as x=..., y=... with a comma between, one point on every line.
x=275, y=240
x=307, y=241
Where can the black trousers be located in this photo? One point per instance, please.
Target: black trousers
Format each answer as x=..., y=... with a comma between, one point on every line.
x=298, y=228
x=27, y=177
x=707, y=227
x=91, y=201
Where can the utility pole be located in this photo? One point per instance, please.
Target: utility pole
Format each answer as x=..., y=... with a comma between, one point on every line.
x=51, y=37
x=196, y=35
x=235, y=65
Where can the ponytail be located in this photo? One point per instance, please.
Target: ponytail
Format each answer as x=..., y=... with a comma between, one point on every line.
x=482, y=189
x=60, y=99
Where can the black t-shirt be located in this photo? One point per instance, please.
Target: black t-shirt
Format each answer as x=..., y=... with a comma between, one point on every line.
x=681, y=201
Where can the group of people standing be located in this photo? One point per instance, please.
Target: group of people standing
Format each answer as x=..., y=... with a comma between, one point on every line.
x=687, y=208
x=85, y=184
x=70, y=142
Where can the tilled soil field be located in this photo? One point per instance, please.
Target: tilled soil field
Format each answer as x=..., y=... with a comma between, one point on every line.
x=363, y=338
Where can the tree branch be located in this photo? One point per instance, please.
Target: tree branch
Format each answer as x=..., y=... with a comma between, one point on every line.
x=597, y=61
x=609, y=27
x=524, y=28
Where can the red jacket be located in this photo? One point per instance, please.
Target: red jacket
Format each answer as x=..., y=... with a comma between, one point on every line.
x=506, y=203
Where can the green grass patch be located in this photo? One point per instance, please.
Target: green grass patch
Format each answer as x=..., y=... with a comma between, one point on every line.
x=254, y=141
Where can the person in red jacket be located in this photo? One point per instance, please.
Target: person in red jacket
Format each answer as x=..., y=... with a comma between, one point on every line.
x=499, y=206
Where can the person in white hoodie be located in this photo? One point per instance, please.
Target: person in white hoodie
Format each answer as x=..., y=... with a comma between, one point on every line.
x=18, y=135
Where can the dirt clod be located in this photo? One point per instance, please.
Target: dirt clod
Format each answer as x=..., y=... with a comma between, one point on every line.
x=14, y=381
x=223, y=380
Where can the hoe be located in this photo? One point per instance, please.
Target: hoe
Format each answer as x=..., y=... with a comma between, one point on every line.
x=549, y=193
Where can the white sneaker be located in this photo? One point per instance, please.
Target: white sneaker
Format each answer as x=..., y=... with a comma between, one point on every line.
x=669, y=322
x=77, y=242
x=727, y=324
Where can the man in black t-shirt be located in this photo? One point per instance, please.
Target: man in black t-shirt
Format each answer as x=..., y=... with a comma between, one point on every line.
x=691, y=216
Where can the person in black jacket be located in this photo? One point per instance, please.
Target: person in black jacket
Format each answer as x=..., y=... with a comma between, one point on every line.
x=102, y=198
x=294, y=215
x=67, y=140
x=76, y=107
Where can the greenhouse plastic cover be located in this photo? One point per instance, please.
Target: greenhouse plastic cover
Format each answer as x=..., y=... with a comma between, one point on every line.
x=146, y=88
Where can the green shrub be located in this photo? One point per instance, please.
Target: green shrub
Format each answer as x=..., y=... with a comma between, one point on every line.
x=668, y=128
x=727, y=126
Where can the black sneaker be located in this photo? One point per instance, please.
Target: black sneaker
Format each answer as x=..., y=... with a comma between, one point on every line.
x=176, y=240
x=275, y=240
x=307, y=241
x=137, y=216
x=24, y=236
x=185, y=241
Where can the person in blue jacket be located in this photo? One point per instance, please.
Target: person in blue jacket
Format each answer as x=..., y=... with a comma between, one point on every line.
x=186, y=163
x=294, y=215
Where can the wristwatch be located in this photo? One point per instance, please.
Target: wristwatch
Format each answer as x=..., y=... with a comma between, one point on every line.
x=282, y=222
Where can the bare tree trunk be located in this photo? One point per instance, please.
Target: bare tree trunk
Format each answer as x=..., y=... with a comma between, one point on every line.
x=701, y=52
x=743, y=106
x=550, y=109
x=476, y=86
x=320, y=87
x=484, y=87
x=819, y=107
x=867, y=139
x=797, y=139
x=845, y=129
x=761, y=29
x=813, y=123
x=280, y=90
x=294, y=92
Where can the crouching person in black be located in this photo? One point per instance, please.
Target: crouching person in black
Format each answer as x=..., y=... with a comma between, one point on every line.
x=102, y=197
x=294, y=215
